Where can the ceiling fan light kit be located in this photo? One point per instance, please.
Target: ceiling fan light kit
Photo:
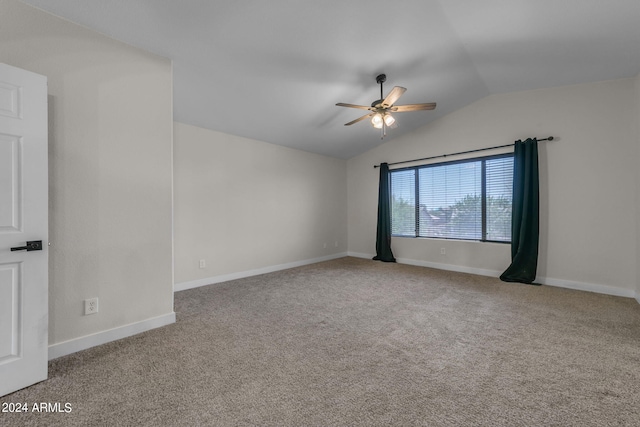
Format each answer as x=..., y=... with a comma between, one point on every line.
x=381, y=109
x=380, y=119
x=377, y=121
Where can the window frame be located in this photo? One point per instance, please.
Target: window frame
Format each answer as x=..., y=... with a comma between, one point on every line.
x=483, y=160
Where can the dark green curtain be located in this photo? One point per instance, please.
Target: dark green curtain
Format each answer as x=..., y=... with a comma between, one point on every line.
x=525, y=223
x=383, y=236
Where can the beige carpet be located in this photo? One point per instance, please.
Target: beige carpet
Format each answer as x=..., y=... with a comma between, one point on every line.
x=354, y=342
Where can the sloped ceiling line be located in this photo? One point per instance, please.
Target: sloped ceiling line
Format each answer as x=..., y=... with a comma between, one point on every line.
x=273, y=71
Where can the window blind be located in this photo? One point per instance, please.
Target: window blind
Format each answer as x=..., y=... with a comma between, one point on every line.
x=469, y=200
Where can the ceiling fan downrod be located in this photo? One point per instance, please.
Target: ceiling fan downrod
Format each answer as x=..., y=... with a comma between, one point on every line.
x=381, y=78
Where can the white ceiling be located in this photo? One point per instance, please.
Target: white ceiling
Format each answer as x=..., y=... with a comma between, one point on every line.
x=273, y=70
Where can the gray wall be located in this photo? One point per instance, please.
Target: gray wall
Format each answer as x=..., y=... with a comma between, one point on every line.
x=244, y=205
x=589, y=234
x=110, y=189
x=637, y=168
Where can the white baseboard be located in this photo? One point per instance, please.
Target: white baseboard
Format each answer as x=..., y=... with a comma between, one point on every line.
x=548, y=281
x=589, y=287
x=360, y=255
x=248, y=273
x=103, y=337
x=450, y=267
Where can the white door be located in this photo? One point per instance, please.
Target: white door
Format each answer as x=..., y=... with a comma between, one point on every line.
x=24, y=311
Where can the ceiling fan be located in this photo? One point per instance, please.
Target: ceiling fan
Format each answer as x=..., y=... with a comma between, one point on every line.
x=382, y=108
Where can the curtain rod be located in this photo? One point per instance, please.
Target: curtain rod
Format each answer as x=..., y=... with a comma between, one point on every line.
x=550, y=138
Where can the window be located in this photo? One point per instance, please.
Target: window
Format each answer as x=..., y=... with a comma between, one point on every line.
x=467, y=199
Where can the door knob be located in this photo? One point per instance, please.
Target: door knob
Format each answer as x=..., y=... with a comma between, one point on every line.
x=34, y=245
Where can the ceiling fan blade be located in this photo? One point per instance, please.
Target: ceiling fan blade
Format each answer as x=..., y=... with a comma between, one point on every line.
x=359, y=119
x=413, y=107
x=362, y=107
x=393, y=96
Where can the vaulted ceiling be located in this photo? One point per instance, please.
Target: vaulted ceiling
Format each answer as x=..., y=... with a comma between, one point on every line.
x=274, y=70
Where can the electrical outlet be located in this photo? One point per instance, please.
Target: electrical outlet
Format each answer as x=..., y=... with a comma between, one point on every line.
x=324, y=246
x=90, y=306
x=336, y=244
x=203, y=263
x=443, y=251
